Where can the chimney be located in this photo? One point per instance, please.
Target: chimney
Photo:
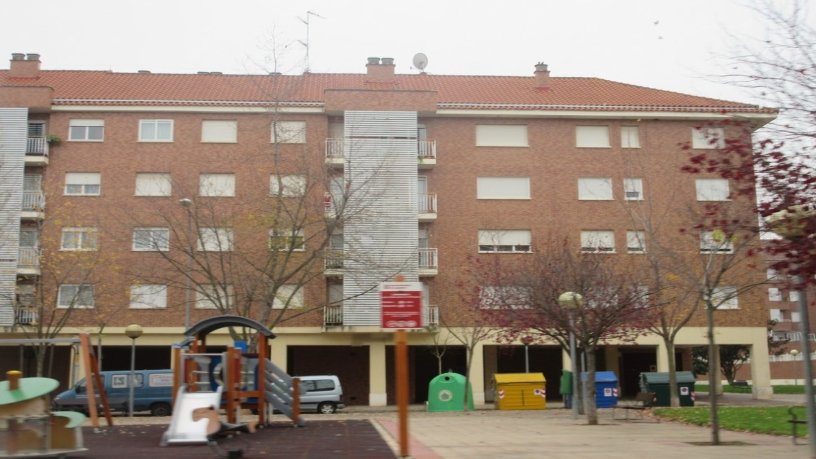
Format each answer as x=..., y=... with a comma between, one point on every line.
x=24, y=66
x=542, y=75
x=380, y=71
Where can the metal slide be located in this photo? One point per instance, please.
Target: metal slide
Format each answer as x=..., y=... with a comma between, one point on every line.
x=182, y=428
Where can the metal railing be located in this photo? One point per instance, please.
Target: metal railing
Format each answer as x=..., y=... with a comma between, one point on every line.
x=25, y=316
x=37, y=146
x=33, y=201
x=428, y=259
x=334, y=259
x=336, y=148
x=333, y=314
x=430, y=316
x=427, y=203
x=426, y=149
x=29, y=258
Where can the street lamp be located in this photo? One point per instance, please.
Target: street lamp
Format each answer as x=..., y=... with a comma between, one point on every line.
x=572, y=301
x=132, y=331
x=526, y=340
x=791, y=224
x=794, y=353
x=187, y=204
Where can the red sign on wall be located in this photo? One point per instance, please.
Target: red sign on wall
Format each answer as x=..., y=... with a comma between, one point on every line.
x=401, y=305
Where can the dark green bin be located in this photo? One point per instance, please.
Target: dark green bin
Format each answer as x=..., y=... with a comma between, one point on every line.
x=659, y=384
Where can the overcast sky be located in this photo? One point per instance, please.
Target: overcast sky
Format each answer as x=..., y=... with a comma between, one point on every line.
x=670, y=45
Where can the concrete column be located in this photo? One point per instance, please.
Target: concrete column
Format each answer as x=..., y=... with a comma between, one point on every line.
x=662, y=357
x=760, y=368
x=566, y=363
x=490, y=368
x=378, y=395
x=278, y=353
x=611, y=359
x=477, y=375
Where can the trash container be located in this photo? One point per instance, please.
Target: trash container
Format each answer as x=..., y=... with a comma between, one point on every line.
x=606, y=388
x=446, y=392
x=659, y=384
x=566, y=388
x=520, y=391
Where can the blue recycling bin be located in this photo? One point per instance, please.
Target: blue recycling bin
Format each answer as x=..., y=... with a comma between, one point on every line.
x=606, y=388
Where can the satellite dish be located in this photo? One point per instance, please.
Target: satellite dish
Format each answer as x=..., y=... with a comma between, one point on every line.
x=420, y=61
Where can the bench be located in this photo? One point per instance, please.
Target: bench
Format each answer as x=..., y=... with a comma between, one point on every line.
x=643, y=401
x=794, y=421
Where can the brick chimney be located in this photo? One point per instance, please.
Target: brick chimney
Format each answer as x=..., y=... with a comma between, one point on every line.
x=380, y=70
x=24, y=65
x=542, y=75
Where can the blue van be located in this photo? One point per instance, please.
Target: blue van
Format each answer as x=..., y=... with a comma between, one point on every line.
x=153, y=391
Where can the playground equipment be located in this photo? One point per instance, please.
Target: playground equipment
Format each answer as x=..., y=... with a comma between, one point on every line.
x=28, y=428
x=234, y=379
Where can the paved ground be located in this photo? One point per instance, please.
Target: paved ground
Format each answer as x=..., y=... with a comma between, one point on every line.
x=371, y=433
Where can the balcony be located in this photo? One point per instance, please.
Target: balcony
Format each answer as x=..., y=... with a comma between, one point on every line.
x=336, y=152
x=427, y=207
x=33, y=205
x=28, y=263
x=334, y=263
x=36, y=151
x=428, y=262
x=25, y=316
x=333, y=315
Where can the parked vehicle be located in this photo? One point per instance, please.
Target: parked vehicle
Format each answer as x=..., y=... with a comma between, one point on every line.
x=153, y=391
x=323, y=394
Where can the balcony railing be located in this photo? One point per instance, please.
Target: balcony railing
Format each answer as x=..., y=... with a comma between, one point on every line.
x=333, y=315
x=33, y=201
x=426, y=149
x=29, y=258
x=336, y=148
x=427, y=203
x=37, y=146
x=334, y=259
x=428, y=259
x=25, y=316
x=430, y=316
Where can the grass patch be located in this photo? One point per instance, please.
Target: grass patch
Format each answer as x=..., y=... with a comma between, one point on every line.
x=729, y=389
x=766, y=420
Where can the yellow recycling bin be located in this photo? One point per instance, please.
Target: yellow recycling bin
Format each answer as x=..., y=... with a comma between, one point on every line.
x=520, y=391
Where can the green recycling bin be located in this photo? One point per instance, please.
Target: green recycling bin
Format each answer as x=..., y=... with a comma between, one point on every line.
x=446, y=392
x=659, y=384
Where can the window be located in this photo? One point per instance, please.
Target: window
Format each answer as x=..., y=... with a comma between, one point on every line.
x=148, y=296
x=598, y=241
x=78, y=239
x=635, y=241
x=592, y=136
x=776, y=315
x=155, y=130
x=153, y=184
x=215, y=240
x=82, y=183
x=287, y=186
x=771, y=274
x=724, y=298
x=216, y=185
x=286, y=240
x=215, y=297
x=510, y=241
x=505, y=297
x=630, y=137
x=707, y=138
x=712, y=189
x=503, y=187
x=501, y=135
x=75, y=296
x=595, y=189
x=715, y=242
x=151, y=239
x=633, y=189
x=288, y=296
x=793, y=295
x=219, y=131
x=796, y=317
x=86, y=130
x=774, y=294
x=288, y=132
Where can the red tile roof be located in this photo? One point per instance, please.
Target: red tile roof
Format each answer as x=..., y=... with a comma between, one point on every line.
x=453, y=91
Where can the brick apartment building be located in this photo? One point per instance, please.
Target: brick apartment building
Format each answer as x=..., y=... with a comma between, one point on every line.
x=131, y=197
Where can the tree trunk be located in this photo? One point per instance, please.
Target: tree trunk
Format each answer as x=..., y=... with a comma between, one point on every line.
x=590, y=407
x=674, y=395
x=713, y=363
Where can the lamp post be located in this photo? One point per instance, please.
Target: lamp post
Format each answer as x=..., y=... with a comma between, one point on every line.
x=187, y=204
x=794, y=353
x=132, y=331
x=526, y=340
x=791, y=224
x=572, y=301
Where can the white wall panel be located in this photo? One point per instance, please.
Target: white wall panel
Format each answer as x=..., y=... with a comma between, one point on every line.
x=13, y=137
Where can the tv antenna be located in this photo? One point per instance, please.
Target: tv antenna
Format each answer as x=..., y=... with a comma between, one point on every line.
x=420, y=61
x=305, y=44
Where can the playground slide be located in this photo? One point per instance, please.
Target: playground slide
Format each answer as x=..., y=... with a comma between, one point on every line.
x=182, y=428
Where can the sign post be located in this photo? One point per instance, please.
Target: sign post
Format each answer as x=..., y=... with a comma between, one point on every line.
x=401, y=305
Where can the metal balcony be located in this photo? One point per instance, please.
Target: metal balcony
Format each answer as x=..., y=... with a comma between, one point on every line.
x=36, y=151
x=333, y=263
x=29, y=258
x=33, y=205
x=427, y=207
x=333, y=315
x=25, y=316
x=336, y=150
x=428, y=262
